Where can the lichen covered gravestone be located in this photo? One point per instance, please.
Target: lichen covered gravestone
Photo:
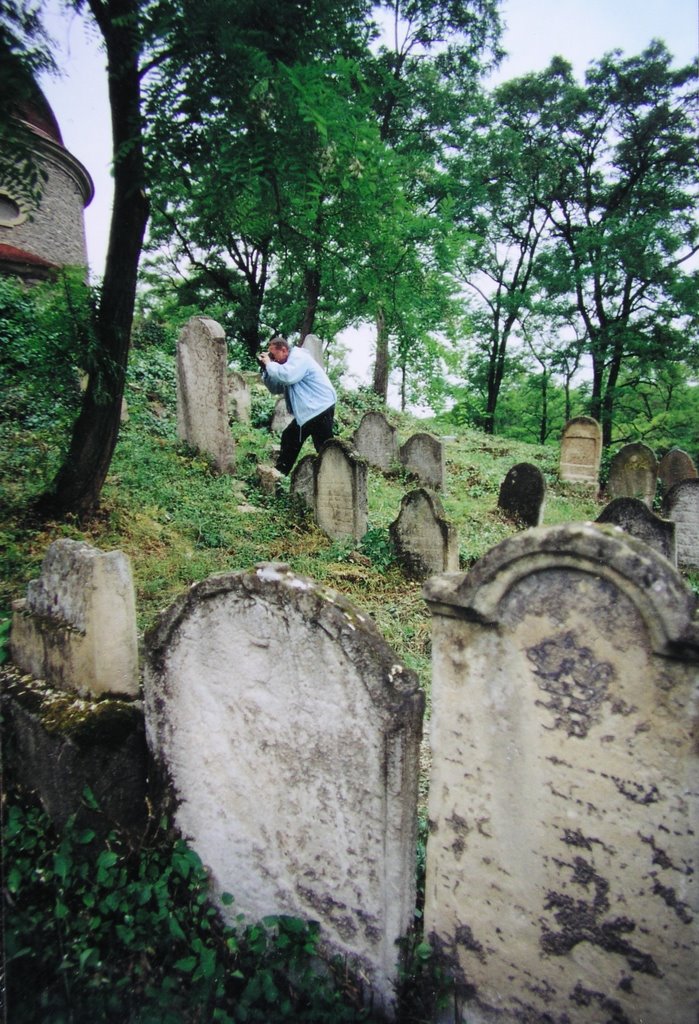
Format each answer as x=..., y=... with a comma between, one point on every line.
x=681, y=505
x=375, y=440
x=581, y=451
x=523, y=493
x=340, y=492
x=633, y=516
x=202, y=391
x=425, y=542
x=564, y=797
x=674, y=467
x=633, y=473
x=423, y=456
x=290, y=732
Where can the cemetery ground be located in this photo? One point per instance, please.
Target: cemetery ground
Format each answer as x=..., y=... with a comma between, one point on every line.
x=179, y=521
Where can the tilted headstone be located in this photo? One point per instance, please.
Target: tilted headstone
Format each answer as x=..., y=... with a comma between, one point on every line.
x=634, y=517
x=281, y=417
x=340, y=492
x=376, y=441
x=291, y=734
x=239, y=398
x=302, y=484
x=581, y=451
x=674, y=467
x=202, y=391
x=633, y=473
x=564, y=796
x=314, y=346
x=423, y=455
x=523, y=493
x=76, y=628
x=681, y=505
x=425, y=542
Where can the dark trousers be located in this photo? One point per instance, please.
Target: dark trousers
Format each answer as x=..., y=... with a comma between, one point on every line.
x=320, y=429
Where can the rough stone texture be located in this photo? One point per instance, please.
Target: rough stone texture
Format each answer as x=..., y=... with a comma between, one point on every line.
x=561, y=884
x=55, y=744
x=423, y=455
x=633, y=473
x=523, y=493
x=375, y=440
x=239, y=398
x=581, y=451
x=281, y=417
x=291, y=735
x=633, y=516
x=314, y=346
x=425, y=542
x=681, y=505
x=302, y=484
x=202, y=391
x=674, y=467
x=340, y=492
x=77, y=626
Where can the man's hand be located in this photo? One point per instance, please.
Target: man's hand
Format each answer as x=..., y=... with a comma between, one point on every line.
x=264, y=359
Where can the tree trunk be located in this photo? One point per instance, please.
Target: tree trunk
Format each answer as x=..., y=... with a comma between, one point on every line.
x=380, y=385
x=312, y=289
x=80, y=479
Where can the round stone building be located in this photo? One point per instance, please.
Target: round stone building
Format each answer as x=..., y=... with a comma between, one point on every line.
x=39, y=237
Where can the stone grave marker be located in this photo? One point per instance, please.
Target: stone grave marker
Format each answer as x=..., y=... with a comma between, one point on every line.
x=425, y=542
x=314, y=346
x=239, y=398
x=633, y=473
x=202, y=391
x=302, y=483
x=281, y=417
x=581, y=451
x=76, y=628
x=340, y=492
x=423, y=455
x=564, y=797
x=375, y=440
x=633, y=516
x=674, y=467
x=523, y=493
x=681, y=505
x=291, y=734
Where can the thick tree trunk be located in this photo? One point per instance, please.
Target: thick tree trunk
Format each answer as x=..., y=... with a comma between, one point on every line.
x=79, y=481
x=312, y=288
x=381, y=367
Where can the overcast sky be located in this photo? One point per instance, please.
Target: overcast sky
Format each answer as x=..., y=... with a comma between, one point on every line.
x=536, y=30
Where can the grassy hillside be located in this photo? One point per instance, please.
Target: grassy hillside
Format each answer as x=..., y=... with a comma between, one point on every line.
x=179, y=522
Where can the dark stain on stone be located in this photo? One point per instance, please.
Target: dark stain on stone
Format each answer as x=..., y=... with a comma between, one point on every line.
x=581, y=996
x=575, y=683
x=669, y=896
x=465, y=937
x=582, y=920
x=634, y=791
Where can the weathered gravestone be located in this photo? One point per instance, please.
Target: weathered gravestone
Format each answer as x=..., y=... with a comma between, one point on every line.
x=633, y=516
x=340, y=492
x=581, y=451
x=291, y=734
x=674, y=467
x=239, y=399
x=424, y=541
x=281, y=417
x=202, y=391
x=633, y=473
x=523, y=493
x=76, y=628
x=302, y=483
x=423, y=455
x=314, y=346
x=564, y=798
x=375, y=440
x=681, y=505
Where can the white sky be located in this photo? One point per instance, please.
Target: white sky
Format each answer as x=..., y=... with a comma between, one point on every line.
x=535, y=31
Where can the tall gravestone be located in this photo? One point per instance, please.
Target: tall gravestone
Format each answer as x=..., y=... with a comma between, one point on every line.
x=424, y=541
x=564, y=798
x=239, y=399
x=376, y=441
x=633, y=516
x=681, y=505
x=423, y=456
x=340, y=492
x=202, y=391
x=314, y=346
x=633, y=473
x=291, y=733
x=281, y=417
x=302, y=484
x=76, y=628
x=523, y=493
x=581, y=451
x=674, y=467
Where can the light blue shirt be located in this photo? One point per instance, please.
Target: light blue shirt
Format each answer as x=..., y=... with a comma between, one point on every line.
x=305, y=385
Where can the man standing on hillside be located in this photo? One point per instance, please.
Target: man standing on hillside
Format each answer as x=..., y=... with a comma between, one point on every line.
x=310, y=398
